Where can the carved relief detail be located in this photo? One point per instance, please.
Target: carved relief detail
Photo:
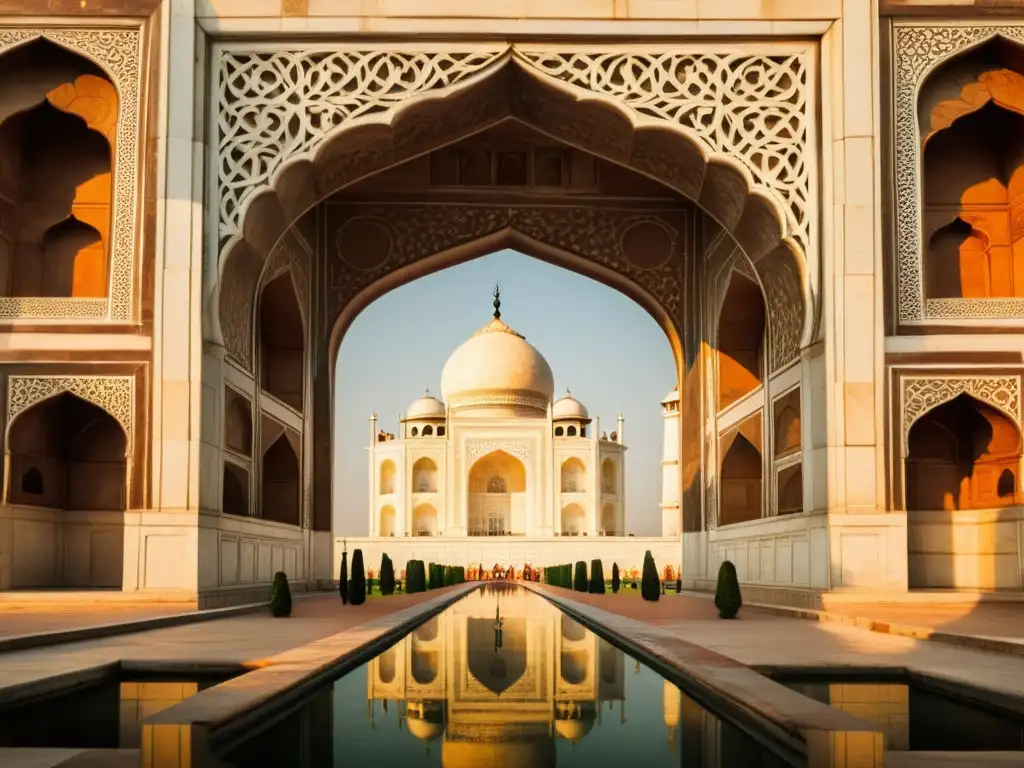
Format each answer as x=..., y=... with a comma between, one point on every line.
x=114, y=394
x=118, y=52
x=419, y=231
x=470, y=401
x=922, y=394
x=918, y=50
x=479, y=447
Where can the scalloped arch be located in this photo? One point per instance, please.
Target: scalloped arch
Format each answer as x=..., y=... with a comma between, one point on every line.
x=922, y=395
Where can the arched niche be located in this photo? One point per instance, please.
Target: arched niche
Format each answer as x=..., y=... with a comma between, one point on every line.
x=281, y=498
x=424, y=476
x=235, y=491
x=572, y=631
x=497, y=472
x=788, y=424
x=574, y=520
x=574, y=476
x=741, y=340
x=741, y=473
x=790, y=484
x=387, y=521
x=971, y=110
x=424, y=520
x=497, y=670
x=388, y=477
x=963, y=454
x=427, y=631
x=609, y=476
x=609, y=519
x=58, y=123
x=574, y=666
x=387, y=664
x=237, y=422
x=282, y=342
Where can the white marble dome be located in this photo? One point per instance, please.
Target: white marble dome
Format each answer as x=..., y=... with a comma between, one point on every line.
x=425, y=407
x=568, y=407
x=496, y=367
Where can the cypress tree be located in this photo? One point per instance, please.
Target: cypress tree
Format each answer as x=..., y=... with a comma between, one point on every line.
x=650, y=584
x=728, y=599
x=343, y=578
x=387, y=576
x=615, y=578
x=596, y=577
x=280, y=596
x=580, y=582
x=357, y=584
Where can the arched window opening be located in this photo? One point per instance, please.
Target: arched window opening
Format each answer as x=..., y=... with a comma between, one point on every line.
x=963, y=454
x=787, y=424
x=414, y=432
x=32, y=482
x=574, y=476
x=282, y=484
x=70, y=455
x=972, y=115
x=583, y=431
x=237, y=423
x=387, y=521
x=741, y=325
x=570, y=431
x=424, y=476
x=559, y=431
x=282, y=342
x=235, y=493
x=388, y=474
x=790, y=490
x=424, y=520
x=609, y=477
x=574, y=520
x=741, y=480
x=428, y=431
x=609, y=520
x=497, y=495
x=57, y=135
x=440, y=431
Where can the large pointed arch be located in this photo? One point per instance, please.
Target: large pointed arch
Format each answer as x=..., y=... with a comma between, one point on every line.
x=113, y=394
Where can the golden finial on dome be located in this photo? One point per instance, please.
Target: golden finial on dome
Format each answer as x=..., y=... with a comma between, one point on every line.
x=497, y=302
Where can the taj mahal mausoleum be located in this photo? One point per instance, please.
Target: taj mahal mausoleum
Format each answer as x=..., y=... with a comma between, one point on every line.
x=816, y=201
x=504, y=474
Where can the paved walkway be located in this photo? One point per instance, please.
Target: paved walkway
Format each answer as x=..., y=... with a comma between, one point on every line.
x=35, y=618
x=239, y=640
x=1003, y=621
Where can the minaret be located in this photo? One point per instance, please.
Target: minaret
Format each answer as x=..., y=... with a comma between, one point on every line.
x=372, y=449
x=672, y=699
x=671, y=480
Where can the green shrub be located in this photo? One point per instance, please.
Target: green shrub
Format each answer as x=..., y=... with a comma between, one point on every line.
x=415, y=577
x=387, y=576
x=679, y=586
x=728, y=599
x=357, y=584
x=559, y=575
x=343, y=578
x=596, y=577
x=580, y=581
x=615, y=577
x=650, y=584
x=280, y=596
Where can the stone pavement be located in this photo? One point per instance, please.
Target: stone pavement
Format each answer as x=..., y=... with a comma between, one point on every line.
x=243, y=640
x=30, y=618
x=998, y=620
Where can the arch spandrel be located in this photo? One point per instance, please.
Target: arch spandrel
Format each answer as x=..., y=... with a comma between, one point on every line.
x=114, y=394
x=118, y=52
x=920, y=50
x=709, y=144
x=923, y=394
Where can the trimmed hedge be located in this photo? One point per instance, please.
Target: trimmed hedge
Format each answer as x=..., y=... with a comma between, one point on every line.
x=281, y=596
x=579, y=582
x=357, y=584
x=559, y=576
x=387, y=576
x=615, y=577
x=728, y=599
x=650, y=584
x=596, y=577
x=343, y=579
x=415, y=577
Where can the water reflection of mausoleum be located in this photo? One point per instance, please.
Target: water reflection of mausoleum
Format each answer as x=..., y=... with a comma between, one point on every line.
x=500, y=674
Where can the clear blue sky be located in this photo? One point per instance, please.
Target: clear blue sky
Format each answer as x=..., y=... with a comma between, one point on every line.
x=599, y=343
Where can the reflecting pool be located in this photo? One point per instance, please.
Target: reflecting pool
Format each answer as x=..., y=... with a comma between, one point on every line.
x=501, y=677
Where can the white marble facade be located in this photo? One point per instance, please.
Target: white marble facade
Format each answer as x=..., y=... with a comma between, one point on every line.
x=735, y=190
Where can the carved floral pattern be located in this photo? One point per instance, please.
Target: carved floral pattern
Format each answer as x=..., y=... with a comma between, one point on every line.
x=750, y=106
x=118, y=52
x=114, y=394
x=921, y=394
x=477, y=448
x=918, y=50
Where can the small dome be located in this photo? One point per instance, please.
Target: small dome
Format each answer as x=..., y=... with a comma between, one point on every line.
x=568, y=407
x=426, y=407
x=496, y=367
x=574, y=730
x=424, y=730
